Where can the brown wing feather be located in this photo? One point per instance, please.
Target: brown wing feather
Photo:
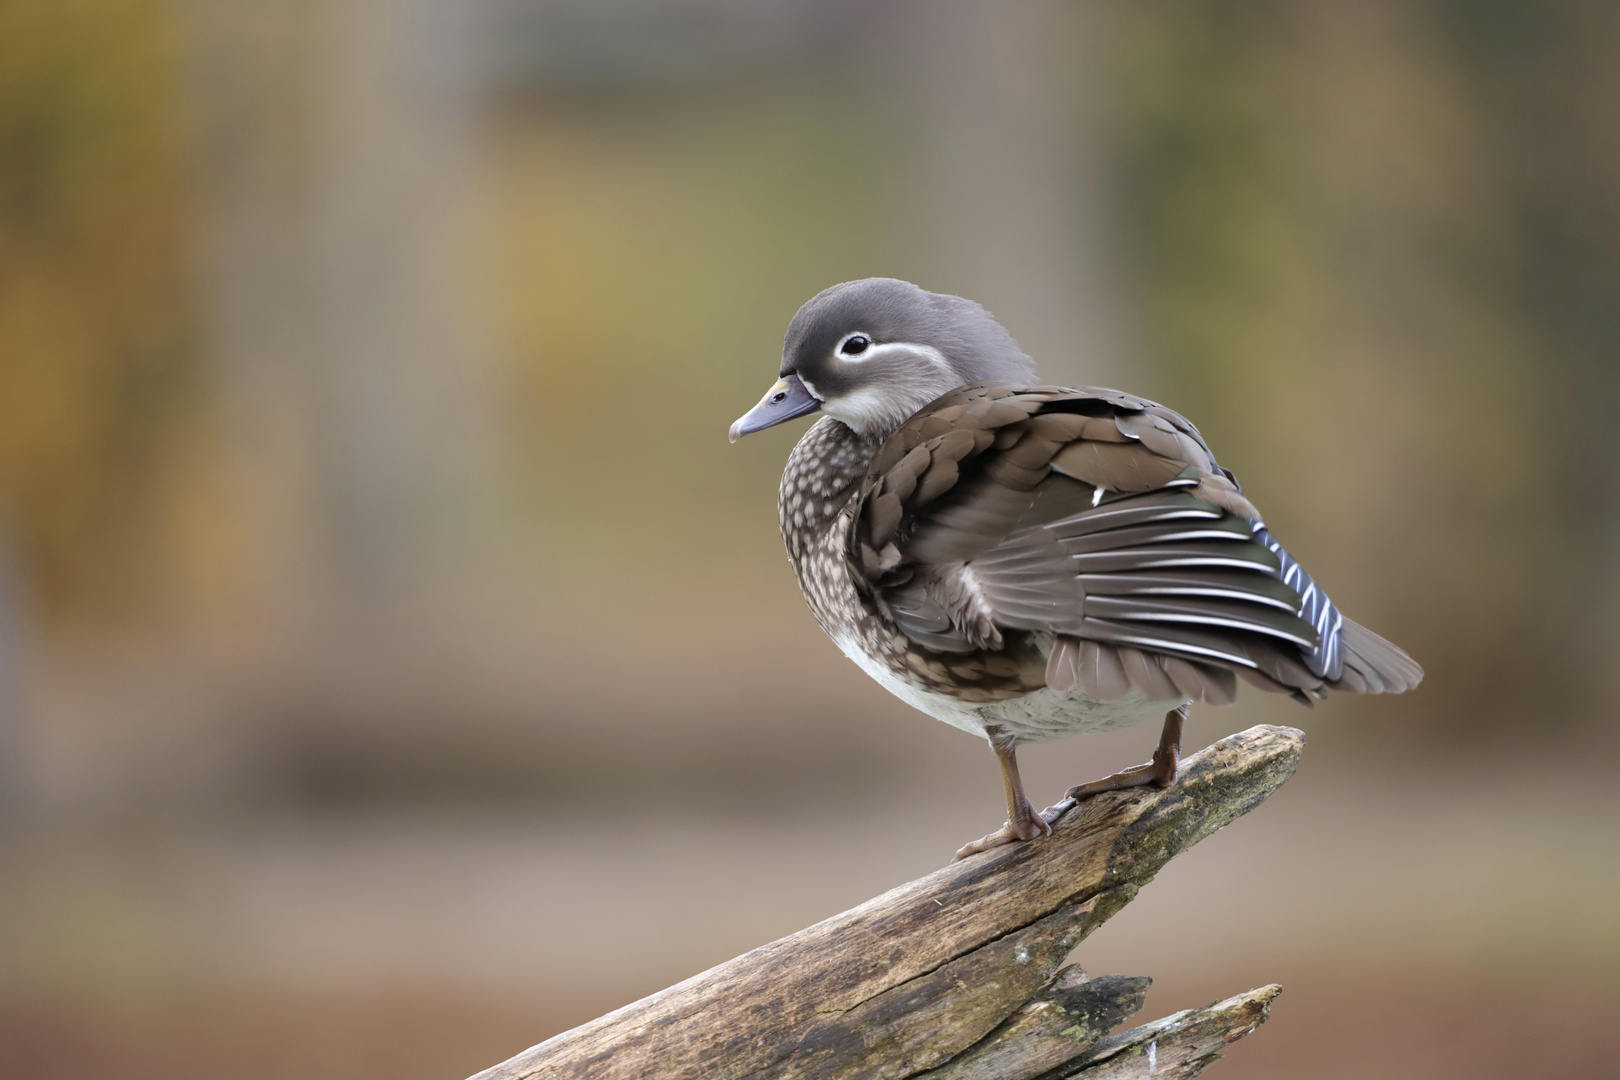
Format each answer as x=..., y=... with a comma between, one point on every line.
x=1103, y=519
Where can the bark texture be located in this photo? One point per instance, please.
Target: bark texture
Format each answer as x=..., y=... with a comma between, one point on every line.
x=957, y=974
x=1182, y=1044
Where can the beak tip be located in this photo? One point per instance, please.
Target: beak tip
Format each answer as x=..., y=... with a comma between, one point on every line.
x=784, y=401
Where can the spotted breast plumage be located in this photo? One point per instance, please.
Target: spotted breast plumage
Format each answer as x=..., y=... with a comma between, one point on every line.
x=1029, y=562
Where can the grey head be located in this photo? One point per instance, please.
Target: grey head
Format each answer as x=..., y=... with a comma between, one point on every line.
x=870, y=353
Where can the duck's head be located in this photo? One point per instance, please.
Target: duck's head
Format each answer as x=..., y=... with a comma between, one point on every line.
x=870, y=353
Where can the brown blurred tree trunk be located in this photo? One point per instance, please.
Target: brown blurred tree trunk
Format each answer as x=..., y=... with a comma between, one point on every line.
x=958, y=975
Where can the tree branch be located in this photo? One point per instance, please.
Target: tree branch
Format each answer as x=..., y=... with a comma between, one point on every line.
x=952, y=972
x=1180, y=1045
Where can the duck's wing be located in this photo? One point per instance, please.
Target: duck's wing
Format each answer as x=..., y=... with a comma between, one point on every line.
x=1103, y=519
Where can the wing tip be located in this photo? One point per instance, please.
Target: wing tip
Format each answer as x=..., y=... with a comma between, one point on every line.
x=1375, y=665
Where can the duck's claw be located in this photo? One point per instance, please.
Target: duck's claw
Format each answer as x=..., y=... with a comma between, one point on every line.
x=1009, y=833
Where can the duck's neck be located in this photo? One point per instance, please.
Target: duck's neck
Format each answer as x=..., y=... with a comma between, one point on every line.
x=820, y=476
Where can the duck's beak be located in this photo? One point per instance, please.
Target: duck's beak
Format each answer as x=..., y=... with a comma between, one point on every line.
x=787, y=399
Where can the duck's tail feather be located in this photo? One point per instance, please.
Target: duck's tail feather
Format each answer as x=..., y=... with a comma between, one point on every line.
x=1373, y=665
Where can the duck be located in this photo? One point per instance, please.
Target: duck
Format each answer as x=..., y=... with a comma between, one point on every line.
x=1028, y=562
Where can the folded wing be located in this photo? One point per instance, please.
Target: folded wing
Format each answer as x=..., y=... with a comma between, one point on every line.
x=1102, y=519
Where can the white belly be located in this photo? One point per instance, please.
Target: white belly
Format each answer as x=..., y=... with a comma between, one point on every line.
x=1043, y=715
x=1047, y=715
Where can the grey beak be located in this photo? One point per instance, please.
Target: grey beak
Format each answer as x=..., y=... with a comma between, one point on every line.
x=787, y=399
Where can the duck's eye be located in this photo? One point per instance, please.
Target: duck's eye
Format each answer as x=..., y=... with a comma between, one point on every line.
x=855, y=344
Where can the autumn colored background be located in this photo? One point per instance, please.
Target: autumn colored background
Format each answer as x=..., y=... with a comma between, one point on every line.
x=397, y=666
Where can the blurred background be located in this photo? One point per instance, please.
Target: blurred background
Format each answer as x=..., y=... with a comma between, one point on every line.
x=397, y=666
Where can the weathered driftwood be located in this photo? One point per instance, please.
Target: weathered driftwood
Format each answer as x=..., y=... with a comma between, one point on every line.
x=1051, y=1030
x=1179, y=1045
x=953, y=975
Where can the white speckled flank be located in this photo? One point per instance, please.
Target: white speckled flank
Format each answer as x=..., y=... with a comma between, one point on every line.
x=818, y=485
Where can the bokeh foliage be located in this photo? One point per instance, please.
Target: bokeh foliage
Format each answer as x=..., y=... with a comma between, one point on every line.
x=645, y=257
x=98, y=365
x=1373, y=249
x=1377, y=260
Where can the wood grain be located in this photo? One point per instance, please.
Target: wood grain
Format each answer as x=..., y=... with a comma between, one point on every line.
x=1183, y=1044
x=1051, y=1030
x=909, y=980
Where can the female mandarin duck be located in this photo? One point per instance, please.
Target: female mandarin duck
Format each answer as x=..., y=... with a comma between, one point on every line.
x=1031, y=562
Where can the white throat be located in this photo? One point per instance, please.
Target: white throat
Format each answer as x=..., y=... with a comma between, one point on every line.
x=878, y=408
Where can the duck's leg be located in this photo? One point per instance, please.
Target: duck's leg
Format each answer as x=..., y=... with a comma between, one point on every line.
x=1023, y=823
x=1160, y=772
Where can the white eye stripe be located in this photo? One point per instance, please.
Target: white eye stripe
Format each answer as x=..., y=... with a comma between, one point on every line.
x=889, y=348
